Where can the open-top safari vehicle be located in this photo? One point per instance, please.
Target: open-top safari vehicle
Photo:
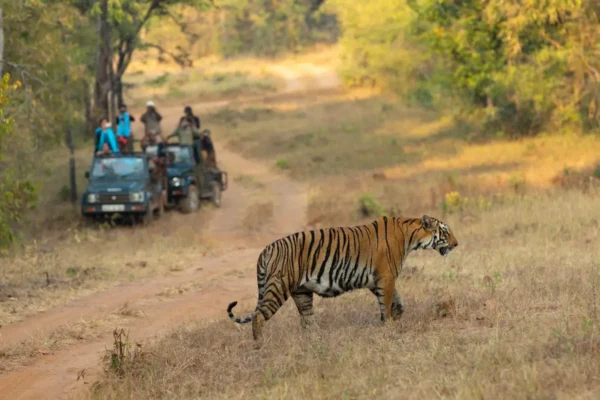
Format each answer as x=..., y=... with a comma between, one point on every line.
x=127, y=184
x=191, y=175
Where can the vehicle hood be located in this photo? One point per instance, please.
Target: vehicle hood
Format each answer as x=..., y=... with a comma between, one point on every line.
x=116, y=186
x=178, y=170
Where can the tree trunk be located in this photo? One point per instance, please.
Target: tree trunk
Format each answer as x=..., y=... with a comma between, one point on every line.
x=101, y=104
x=90, y=123
x=69, y=130
x=1, y=40
x=119, y=90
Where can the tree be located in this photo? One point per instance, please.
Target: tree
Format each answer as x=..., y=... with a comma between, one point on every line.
x=509, y=67
x=1, y=39
x=16, y=194
x=120, y=23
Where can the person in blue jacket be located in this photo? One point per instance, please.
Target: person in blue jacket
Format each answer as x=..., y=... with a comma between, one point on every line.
x=105, y=136
x=124, y=134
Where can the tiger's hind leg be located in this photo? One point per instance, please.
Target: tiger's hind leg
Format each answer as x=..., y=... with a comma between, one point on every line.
x=304, y=302
x=275, y=295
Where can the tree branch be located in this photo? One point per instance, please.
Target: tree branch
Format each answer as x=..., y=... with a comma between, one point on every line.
x=181, y=59
x=183, y=27
x=20, y=68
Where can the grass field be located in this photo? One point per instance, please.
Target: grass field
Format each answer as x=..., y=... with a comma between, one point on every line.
x=511, y=314
x=211, y=78
x=348, y=145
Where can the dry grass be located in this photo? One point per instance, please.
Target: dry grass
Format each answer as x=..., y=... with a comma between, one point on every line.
x=350, y=144
x=213, y=78
x=63, y=337
x=511, y=314
x=76, y=261
x=343, y=134
x=195, y=85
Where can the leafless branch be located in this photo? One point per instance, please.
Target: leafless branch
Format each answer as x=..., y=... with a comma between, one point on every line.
x=183, y=27
x=181, y=59
x=23, y=72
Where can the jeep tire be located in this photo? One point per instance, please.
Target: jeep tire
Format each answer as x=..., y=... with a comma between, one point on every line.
x=191, y=202
x=216, y=193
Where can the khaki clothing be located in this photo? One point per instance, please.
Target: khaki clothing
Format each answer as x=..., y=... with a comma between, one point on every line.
x=186, y=133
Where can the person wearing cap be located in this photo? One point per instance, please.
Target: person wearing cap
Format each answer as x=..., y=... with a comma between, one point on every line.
x=124, y=135
x=188, y=114
x=151, y=120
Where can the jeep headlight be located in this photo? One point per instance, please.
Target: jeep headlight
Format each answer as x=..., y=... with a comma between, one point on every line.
x=92, y=198
x=136, y=197
x=176, y=182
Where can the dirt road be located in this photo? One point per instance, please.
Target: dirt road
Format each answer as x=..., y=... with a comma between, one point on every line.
x=216, y=280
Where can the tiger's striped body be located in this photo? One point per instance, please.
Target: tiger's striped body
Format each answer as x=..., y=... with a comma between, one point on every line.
x=333, y=261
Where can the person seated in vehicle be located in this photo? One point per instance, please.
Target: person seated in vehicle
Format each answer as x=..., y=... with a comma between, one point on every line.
x=152, y=129
x=124, y=134
x=187, y=111
x=186, y=131
x=105, y=136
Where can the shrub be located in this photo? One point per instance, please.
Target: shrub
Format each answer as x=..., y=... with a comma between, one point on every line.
x=282, y=163
x=369, y=207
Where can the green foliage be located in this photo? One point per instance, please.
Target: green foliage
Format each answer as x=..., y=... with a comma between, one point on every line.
x=453, y=202
x=596, y=173
x=235, y=27
x=368, y=206
x=16, y=195
x=264, y=26
x=47, y=43
x=514, y=67
x=282, y=163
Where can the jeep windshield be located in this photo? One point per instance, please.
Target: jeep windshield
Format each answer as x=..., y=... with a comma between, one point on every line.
x=179, y=155
x=126, y=168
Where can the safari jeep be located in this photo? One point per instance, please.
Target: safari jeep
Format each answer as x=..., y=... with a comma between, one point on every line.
x=189, y=178
x=123, y=185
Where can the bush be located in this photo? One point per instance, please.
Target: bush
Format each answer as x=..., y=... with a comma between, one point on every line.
x=453, y=202
x=369, y=207
x=282, y=163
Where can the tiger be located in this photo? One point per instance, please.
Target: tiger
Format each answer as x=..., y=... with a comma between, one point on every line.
x=333, y=261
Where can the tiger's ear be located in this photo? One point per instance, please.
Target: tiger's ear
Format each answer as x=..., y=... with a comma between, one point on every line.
x=427, y=222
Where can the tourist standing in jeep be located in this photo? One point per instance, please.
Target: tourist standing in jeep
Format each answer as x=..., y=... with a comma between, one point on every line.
x=152, y=130
x=124, y=134
x=186, y=131
x=187, y=111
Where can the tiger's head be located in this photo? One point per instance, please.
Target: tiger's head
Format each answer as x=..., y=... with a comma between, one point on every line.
x=437, y=236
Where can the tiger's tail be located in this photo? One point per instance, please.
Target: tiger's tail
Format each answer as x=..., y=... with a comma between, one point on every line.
x=261, y=270
x=238, y=319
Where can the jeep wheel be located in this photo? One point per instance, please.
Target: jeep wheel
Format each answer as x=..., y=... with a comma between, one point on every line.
x=216, y=194
x=191, y=202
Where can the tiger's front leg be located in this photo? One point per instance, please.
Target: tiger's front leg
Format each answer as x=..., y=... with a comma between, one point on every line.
x=397, y=308
x=385, y=291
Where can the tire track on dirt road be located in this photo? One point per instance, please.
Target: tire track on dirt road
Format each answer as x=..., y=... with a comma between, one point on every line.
x=232, y=278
